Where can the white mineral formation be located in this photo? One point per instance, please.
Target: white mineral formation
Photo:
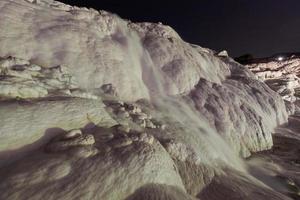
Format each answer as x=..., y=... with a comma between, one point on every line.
x=96, y=107
x=281, y=76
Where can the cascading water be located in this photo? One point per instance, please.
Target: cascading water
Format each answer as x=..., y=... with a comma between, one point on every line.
x=214, y=109
x=210, y=148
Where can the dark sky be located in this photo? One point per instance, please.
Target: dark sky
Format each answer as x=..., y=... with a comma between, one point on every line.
x=259, y=27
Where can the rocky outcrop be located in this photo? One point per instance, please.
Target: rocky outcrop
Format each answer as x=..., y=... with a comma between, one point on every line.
x=281, y=76
x=83, y=144
x=180, y=64
x=53, y=37
x=24, y=80
x=110, y=109
x=27, y=122
x=21, y=79
x=159, y=191
x=140, y=60
x=56, y=35
x=84, y=169
x=241, y=104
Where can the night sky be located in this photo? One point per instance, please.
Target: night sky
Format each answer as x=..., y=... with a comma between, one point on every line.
x=258, y=27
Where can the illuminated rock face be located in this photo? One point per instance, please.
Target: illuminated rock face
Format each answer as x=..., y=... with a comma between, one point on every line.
x=94, y=45
x=281, y=76
x=96, y=107
x=239, y=109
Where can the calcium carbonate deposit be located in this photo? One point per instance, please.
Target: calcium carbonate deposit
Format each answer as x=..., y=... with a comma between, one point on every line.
x=96, y=107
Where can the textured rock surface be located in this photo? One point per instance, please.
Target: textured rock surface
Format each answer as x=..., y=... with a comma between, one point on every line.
x=27, y=122
x=182, y=64
x=20, y=79
x=229, y=187
x=196, y=109
x=281, y=76
x=24, y=80
x=163, y=63
x=106, y=175
x=241, y=105
x=279, y=168
x=159, y=191
x=54, y=36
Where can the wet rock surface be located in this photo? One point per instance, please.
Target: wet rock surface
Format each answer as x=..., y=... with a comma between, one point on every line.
x=69, y=140
x=139, y=162
x=131, y=113
x=103, y=108
x=159, y=191
x=279, y=167
x=26, y=122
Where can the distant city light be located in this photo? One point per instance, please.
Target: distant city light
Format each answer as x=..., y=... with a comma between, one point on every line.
x=280, y=58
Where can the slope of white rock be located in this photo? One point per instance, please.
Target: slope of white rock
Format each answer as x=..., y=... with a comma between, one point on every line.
x=53, y=37
x=77, y=175
x=65, y=68
x=242, y=110
x=22, y=123
x=181, y=64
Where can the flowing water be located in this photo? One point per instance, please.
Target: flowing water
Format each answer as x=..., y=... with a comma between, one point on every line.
x=208, y=145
